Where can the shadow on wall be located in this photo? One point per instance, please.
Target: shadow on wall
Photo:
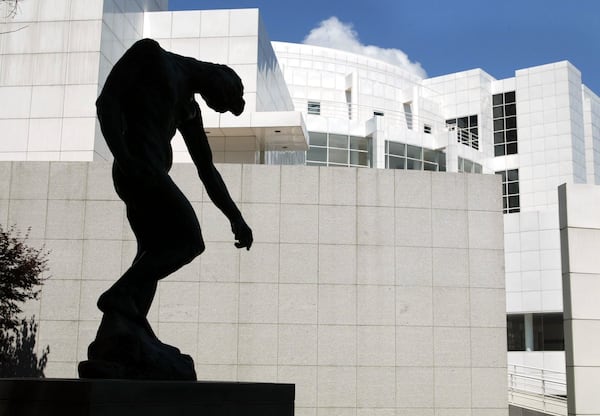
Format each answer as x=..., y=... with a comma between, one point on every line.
x=18, y=357
x=21, y=275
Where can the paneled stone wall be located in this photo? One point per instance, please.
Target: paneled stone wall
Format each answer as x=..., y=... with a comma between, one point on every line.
x=375, y=291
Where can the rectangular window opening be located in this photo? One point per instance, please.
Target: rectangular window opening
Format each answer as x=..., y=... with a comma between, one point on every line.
x=314, y=107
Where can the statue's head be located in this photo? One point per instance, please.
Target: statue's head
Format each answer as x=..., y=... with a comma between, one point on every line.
x=223, y=90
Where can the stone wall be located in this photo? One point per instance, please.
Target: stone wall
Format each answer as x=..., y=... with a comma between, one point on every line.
x=374, y=291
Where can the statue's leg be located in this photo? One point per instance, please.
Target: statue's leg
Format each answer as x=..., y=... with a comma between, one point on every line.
x=168, y=236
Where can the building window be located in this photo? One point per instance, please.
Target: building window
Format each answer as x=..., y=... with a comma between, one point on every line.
x=510, y=190
x=378, y=113
x=405, y=156
x=427, y=129
x=468, y=166
x=548, y=332
x=504, y=112
x=338, y=150
x=467, y=130
x=544, y=332
x=408, y=115
x=515, y=331
x=314, y=107
x=349, y=103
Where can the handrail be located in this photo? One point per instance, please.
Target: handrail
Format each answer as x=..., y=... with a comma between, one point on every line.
x=538, y=389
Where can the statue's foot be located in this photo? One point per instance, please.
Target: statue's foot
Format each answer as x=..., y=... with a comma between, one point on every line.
x=124, y=350
x=119, y=302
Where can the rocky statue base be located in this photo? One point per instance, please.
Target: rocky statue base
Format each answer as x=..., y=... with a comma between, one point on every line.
x=124, y=349
x=63, y=397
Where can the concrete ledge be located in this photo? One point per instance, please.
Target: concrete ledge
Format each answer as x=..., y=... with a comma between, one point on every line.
x=66, y=397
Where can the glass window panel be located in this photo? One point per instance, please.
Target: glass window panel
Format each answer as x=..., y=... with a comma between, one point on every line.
x=468, y=166
x=513, y=210
x=395, y=148
x=499, y=150
x=430, y=166
x=513, y=188
x=442, y=162
x=538, y=332
x=554, y=338
x=511, y=148
x=430, y=155
x=505, y=203
x=509, y=97
x=513, y=201
x=497, y=99
x=396, y=162
x=515, y=330
x=511, y=110
x=338, y=140
x=451, y=122
x=463, y=122
x=473, y=121
x=317, y=154
x=463, y=136
x=512, y=175
x=511, y=135
x=499, y=124
x=412, y=164
x=314, y=107
x=498, y=137
x=498, y=112
x=461, y=164
x=315, y=164
x=414, y=152
x=511, y=122
x=359, y=158
x=318, y=139
x=474, y=131
x=359, y=143
x=478, y=168
x=338, y=156
x=502, y=175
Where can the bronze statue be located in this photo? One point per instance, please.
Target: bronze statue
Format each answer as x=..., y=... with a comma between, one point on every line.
x=148, y=95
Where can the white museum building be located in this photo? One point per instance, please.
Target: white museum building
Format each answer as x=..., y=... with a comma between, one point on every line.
x=394, y=289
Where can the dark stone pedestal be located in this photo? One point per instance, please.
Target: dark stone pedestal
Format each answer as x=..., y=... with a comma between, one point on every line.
x=67, y=397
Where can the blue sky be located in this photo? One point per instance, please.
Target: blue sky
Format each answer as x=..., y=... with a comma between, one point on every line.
x=447, y=36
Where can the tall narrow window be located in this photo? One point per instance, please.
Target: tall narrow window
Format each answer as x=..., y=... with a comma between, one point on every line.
x=510, y=190
x=314, y=107
x=349, y=103
x=408, y=115
x=504, y=112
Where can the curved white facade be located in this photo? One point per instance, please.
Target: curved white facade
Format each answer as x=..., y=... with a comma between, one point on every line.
x=365, y=97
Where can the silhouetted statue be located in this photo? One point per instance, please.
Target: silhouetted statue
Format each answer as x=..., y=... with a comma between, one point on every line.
x=148, y=95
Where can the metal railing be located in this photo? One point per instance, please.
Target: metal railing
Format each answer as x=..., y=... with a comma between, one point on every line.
x=537, y=389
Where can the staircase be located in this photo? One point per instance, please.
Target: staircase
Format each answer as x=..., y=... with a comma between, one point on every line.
x=537, y=389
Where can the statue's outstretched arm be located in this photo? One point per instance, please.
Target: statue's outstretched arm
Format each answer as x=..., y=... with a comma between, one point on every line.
x=196, y=141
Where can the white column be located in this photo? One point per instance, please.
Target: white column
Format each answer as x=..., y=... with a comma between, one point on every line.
x=528, y=332
x=580, y=248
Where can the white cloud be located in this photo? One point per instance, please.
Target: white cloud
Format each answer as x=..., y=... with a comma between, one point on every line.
x=332, y=33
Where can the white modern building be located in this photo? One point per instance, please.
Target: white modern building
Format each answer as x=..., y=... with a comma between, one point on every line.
x=319, y=107
x=538, y=129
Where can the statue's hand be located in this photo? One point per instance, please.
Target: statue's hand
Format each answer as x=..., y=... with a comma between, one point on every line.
x=243, y=234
